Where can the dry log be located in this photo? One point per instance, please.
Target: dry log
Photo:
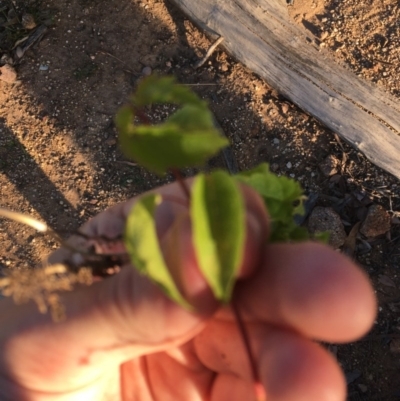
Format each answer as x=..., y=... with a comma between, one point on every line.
x=259, y=34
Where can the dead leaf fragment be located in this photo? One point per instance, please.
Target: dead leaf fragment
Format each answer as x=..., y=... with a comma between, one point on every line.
x=349, y=246
x=385, y=280
x=377, y=222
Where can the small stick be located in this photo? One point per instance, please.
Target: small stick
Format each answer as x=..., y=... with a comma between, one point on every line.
x=37, y=225
x=127, y=163
x=118, y=59
x=209, y=52
x=200, y=84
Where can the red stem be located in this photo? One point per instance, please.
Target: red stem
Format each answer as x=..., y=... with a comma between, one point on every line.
x=259, y=389
x=178, y=176
x=176, y=199
x=142, y=116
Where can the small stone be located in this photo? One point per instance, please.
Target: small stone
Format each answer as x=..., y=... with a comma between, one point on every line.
x=289, y=165
x=28, y=21
x=94, y=202
x=324, y=35
x=395, y=345
x=224, y=67
x=8, y=74
x=377, y=222
x=19, y=52
x=168, y=64
x=326, y=219
x=275, y=141
x=146, y=71
x=285, y=108
x=329, y=166
x=111, y=141
x=43, y=67
x=363, y=388
x=274, y=167
x=352, y=376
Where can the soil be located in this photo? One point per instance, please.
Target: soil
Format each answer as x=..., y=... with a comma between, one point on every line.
x=60, y=162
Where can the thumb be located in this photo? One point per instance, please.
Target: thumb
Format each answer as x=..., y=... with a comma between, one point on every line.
x=121, y=317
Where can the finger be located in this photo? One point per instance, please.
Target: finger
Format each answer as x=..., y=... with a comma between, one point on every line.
x=229, y=387
x=290, y=367
x=311, y=289
x=114, y=320
x=179, y=254
x=174, y=230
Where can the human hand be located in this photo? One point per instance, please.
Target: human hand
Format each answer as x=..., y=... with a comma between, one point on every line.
x=124, y=340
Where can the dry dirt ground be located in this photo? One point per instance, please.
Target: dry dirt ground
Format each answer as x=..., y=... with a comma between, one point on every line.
x=59, y=158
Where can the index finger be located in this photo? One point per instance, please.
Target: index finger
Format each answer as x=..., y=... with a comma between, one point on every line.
x=312, y=290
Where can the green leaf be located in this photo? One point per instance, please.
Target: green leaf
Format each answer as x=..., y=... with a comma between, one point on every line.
x=142, y=245
x=188, y=138
x=283, y=198
x=218, y=219
x=160, y=148
x=155, y=89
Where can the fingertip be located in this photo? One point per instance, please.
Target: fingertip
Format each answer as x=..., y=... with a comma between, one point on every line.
x=337, y=299
x=312, y=290
x=295, y=369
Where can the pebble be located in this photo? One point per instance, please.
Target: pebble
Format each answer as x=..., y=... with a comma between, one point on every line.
x=146, y=71
x=324, y=35
x=19, y=52
x=326, y=219
x=395, y=345
x=377, y=222
x=274, y=167
x=352, y=376
x=363, y=388
x=28, y=21
x=285, y=108
x=8, y=74
x=224, y=67
x=43, y=67
x=275, y=141
x=289, y=165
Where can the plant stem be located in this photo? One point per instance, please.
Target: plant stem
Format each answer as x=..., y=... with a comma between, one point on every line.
x=178, y=176
x=175, y=199
x=258, y=387
x=141, y=115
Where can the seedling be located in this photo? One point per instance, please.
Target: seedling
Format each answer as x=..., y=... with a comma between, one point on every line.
x=188, y=138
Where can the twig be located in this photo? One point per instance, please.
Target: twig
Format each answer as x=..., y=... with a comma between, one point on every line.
x=39, y=226
x=200, y=84
x=116, y=58
x=209, y=52
x=127, y=163
x=382, y=61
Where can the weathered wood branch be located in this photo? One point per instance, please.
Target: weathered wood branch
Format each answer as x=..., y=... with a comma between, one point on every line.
x=259, y=34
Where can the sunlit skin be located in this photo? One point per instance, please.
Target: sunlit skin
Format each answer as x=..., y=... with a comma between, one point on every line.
x=124, y=340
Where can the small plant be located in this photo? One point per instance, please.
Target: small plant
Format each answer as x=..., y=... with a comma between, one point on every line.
x=188, y=138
